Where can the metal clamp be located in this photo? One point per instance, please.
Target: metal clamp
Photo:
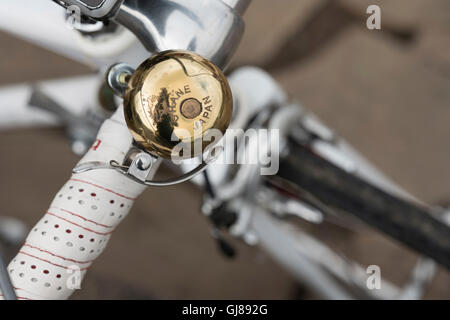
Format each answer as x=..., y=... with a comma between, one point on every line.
x=137, y=166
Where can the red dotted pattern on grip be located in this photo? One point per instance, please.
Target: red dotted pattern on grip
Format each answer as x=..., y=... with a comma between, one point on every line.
x=72, y=234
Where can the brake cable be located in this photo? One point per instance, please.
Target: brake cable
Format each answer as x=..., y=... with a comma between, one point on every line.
x=219, y=218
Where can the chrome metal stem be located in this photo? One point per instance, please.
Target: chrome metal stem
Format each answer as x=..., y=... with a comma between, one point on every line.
x=212, y=29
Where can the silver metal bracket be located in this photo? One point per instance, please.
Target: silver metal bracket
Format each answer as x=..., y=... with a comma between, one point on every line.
x=137, y=166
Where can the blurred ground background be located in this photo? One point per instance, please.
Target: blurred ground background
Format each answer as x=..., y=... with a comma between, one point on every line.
x=386, y=91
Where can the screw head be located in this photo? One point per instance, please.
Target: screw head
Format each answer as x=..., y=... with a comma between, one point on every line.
x=143, y=162
x=191, y=108
x=118, y=76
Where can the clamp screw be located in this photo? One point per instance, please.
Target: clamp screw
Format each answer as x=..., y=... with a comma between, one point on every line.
x=118, y=76
x=143, y=162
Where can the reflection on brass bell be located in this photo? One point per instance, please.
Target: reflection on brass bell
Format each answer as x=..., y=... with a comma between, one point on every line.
x=176, y=94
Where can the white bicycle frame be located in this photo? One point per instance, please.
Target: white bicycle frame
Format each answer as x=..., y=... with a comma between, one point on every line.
x=43, y=22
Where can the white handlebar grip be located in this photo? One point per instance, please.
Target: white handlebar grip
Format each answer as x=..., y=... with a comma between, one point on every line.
x=76, y=228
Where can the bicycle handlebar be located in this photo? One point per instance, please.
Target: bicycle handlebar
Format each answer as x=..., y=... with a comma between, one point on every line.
x=76, y=228
x=409, y=223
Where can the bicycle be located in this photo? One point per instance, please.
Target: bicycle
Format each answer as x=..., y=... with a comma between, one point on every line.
x=320, y=175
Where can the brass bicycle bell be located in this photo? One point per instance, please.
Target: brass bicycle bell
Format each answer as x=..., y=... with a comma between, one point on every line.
x=176, y=96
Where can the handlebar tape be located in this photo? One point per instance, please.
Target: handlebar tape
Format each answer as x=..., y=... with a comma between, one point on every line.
x=76, y=228
x=411, y=224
